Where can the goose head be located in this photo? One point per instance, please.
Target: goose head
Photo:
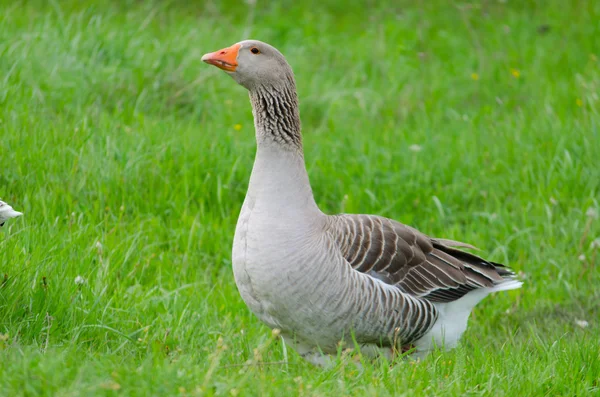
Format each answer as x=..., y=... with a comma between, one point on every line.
x=252, y=64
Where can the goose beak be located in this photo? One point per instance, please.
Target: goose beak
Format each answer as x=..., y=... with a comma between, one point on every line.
x=225, y=59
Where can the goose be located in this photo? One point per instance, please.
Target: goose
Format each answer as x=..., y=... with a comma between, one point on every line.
x=325, y=281
x=7, y=212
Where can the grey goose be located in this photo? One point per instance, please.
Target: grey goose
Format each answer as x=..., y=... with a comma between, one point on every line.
x=323, y=279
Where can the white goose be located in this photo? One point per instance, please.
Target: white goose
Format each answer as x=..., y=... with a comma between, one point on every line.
x=323, y=279
x=7, y=212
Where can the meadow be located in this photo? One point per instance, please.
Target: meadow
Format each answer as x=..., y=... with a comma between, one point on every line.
x=477, y=121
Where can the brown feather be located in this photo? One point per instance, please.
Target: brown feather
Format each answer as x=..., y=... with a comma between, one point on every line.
x=429, y=268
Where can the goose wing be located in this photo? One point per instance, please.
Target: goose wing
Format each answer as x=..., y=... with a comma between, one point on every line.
x=424, y=267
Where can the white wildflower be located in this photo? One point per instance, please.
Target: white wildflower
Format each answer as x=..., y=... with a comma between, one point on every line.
x=79, y=280
x=595, y=243
x=581, y=257
x=98, y=246
x=582, y=323
x=415, y=148
x=591, y=213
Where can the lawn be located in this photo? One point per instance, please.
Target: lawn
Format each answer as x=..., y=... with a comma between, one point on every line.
x=477, y=121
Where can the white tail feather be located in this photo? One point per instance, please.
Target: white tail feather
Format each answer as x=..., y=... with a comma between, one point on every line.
x=506, y=285
x=454, y=316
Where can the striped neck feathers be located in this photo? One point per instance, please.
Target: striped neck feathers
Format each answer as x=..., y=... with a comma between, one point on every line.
x=276, y=115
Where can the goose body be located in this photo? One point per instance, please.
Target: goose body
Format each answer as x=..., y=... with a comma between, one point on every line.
x=323, y=279
x=7, y=212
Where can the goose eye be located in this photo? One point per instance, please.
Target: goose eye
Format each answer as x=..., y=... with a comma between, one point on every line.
x=254, y=50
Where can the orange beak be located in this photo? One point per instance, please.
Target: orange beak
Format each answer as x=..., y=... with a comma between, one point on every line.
x=225, y=59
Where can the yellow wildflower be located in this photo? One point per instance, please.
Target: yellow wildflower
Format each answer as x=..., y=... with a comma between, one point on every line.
x=515, y=72
x=475, y=76
x=579, y=102
x=237, y=127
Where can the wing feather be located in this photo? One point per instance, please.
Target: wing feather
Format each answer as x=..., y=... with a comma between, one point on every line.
x=429, y=268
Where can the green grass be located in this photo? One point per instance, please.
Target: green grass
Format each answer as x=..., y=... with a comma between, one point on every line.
x=122, y=149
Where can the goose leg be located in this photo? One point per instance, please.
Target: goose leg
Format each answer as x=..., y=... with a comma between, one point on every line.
x=310, y=353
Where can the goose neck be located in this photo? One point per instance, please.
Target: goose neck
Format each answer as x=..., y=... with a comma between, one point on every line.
x=276, y=116
x=279, y=179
